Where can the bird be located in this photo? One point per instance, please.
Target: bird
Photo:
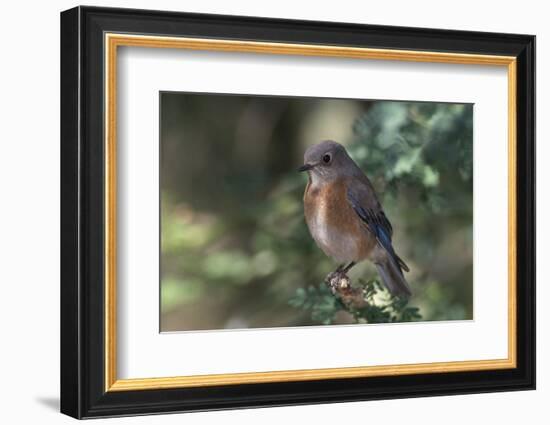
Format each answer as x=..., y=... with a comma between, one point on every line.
x=345, y=217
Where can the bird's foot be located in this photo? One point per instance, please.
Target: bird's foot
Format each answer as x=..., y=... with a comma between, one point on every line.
x=340, y=286
x=338, y=281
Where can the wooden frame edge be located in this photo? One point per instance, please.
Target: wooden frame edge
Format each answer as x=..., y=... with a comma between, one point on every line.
x=114, y=40
x=137, y=384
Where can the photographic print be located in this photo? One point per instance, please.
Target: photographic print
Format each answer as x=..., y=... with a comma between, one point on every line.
x=254, y=183
x=299, y=211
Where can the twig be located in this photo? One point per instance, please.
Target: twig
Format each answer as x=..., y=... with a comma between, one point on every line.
x=340, y=285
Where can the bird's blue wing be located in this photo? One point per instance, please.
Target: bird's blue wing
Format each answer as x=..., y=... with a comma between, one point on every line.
x=369, y=211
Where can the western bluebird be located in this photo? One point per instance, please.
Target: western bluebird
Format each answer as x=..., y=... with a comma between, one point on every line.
x=345, y=217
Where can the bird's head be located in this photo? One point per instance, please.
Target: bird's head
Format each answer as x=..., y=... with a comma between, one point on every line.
x=327, y=161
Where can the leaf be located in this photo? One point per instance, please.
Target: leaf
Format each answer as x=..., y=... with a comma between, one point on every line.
x=323, y=305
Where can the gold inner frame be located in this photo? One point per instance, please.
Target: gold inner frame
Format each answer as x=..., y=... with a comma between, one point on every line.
x=113, y=41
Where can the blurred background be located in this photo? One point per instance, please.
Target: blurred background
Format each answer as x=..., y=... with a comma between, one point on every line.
x=235, y=249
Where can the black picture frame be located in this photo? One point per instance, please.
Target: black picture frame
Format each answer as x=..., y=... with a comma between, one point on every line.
x=83, y=392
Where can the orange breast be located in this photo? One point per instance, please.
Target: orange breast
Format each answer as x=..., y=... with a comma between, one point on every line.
x=334, y=224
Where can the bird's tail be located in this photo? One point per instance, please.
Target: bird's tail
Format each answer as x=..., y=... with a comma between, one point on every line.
x=392, y=275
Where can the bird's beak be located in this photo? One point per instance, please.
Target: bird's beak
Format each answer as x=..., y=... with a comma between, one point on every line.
x=306, y=167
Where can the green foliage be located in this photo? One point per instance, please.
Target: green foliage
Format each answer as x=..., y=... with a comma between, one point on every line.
x=319, y=301
x=379, y=306
x=234, y=244
x=423, y=146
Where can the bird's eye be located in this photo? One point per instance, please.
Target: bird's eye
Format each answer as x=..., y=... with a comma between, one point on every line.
x=326, y=158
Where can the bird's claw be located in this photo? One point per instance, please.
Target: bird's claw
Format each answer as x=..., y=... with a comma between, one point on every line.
x=338, y=281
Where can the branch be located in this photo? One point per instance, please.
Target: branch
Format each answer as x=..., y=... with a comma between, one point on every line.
x=340, y=285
